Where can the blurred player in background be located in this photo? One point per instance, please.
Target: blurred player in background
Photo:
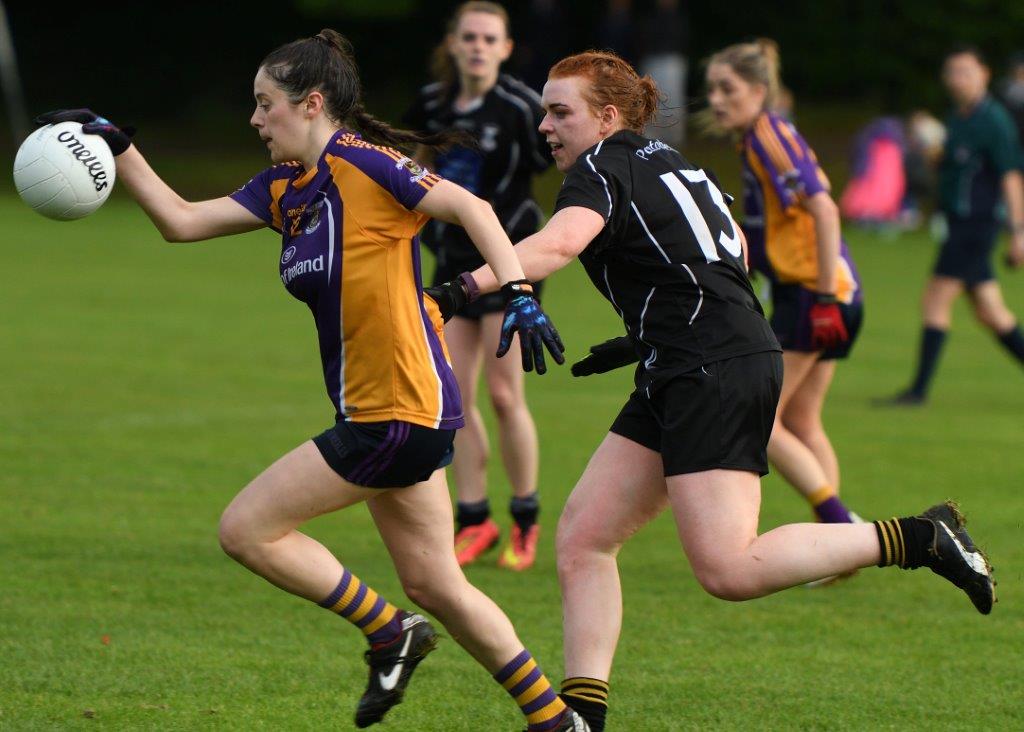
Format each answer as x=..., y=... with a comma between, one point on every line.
x=981, y=167
x=656, y=238
x=348, y=210
x=501, y=114
x=793, y=229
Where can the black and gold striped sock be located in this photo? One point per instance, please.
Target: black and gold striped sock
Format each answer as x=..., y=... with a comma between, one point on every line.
x=589, y=698
x=904, y=541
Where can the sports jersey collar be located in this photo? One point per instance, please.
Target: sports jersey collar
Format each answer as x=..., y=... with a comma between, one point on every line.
x=749, y=134
x=622, y=136
x=303, y=180
x=985, y=101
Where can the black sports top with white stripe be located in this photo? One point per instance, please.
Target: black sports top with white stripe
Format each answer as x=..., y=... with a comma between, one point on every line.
x=510, y=152
x=669, y=258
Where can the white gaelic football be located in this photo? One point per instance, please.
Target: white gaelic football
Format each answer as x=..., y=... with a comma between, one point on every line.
x=62, y=173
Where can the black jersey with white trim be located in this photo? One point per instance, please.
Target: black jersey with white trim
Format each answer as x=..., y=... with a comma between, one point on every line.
x=669, y=257
x=511, y=151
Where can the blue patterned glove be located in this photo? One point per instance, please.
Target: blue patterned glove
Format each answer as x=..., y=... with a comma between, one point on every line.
x=117, y=139
x=524, y=315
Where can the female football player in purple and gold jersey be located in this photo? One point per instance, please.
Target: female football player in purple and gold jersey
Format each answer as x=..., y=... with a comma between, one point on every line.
x=501, y=114
x=792, y=227
x=348, y=207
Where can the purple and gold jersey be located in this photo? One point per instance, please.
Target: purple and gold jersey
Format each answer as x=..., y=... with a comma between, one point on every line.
x=349, y=252
x=780, y=171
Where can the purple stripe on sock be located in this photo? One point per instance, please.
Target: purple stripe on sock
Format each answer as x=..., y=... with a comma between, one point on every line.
x=373, y=457
x=832, y=511
x=526, y=683
x=372, y=615
x=549, y=725
x=506, y=673
x=385, y=461
x=332, y=598
x=356, y=602
x=540, y=702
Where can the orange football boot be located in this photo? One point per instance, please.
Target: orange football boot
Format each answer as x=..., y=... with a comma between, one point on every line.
x=473, y=541
x=521, y=550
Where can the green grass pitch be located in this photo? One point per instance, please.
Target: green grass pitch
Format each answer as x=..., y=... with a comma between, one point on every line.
x=143, y=384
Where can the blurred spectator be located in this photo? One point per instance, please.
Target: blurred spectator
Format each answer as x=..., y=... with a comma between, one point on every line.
x=662, y=36
x=877, y=186
x=615, y=31
x=926, y=137
x=1011, y=90
x=541, y=42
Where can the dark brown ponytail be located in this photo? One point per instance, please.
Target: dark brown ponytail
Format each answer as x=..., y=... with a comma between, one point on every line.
x=325, y=63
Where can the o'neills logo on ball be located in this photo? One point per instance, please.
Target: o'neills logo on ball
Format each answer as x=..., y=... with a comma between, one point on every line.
x=86, y=157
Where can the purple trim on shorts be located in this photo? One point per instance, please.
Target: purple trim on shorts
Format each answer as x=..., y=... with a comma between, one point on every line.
x=382, y=457
x=368, y=462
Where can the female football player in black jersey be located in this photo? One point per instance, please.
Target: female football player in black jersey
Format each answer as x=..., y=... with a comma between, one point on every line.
x=501, y=114
x=655, y=235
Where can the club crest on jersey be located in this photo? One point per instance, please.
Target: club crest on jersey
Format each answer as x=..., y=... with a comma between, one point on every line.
x=286, y=257
x=416, y=171
x=489, y=137
x=314, y=217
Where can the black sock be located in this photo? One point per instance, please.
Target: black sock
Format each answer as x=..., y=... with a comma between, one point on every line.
x=931, y=346
x=472, y=514
x=1013, y=341
x=904, y=541
x=588, y=698
x=524, y=511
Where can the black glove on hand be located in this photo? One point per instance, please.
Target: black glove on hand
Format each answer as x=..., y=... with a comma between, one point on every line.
x=117, y=139
x=450, y=297
x=611, y=354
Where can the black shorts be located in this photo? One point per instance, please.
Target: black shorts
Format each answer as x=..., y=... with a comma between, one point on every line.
x=791, y=321
x=966, y=255
x=385, y=454
x=717, y=416
x=492, y=302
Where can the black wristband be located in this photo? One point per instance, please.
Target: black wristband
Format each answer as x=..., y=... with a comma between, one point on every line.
x=515, y=288
x=825, y=298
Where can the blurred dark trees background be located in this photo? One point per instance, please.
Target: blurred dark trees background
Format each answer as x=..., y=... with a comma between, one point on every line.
x=192, y=61
x=182, y=72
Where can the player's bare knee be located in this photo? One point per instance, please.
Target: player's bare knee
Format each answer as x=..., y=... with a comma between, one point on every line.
x=430, y=596
x=504, y=400
x=804, y=426
x=234, y=535
x=576, y=544
x=725, y=584
x=995, y=318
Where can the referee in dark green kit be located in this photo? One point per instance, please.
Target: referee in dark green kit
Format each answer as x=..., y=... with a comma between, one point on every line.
x=981, y=166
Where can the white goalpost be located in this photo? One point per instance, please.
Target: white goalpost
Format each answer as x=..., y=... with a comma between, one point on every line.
x=14, y=98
